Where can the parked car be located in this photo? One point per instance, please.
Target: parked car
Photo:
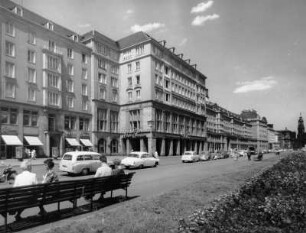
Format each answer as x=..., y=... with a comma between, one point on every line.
x=224, y=154
x=215, y=155
x=80, y=162
x=190, y=156
x=242, y=153
x=139, y=159
x=204, y=156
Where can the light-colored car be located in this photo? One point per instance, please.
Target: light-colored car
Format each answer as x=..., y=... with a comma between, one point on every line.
x=204, y=156
x=242, y=153
x=80, y=162
x=139, y=159
x=190, y=156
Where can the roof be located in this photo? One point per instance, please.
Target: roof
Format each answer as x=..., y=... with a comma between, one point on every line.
x=36, y=19
x=133, y=39
x=100, y=37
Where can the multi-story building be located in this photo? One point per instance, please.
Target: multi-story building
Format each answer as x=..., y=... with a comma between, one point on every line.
x=259, y=128
x=162, y=98
x=61, y=91
x=227, y=130
x=45, y=85
x=273, y=142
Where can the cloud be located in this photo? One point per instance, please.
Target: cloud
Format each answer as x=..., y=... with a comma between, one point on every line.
x=201, y=7
x=256, y=85
x=129, y=12
x=147, y=27
x=199, y=20
x=85, y=25
x=183, y=42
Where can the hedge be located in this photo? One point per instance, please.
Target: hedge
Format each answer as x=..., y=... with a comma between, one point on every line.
x=273, y=201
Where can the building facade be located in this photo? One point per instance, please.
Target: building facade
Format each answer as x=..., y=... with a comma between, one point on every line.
x=227, y=130
x=287, y=139
x=62, y=91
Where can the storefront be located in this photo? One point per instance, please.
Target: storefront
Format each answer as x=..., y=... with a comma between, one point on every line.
x=72, y=144
x=86, y=144
x=33, y=146
x=11, y=147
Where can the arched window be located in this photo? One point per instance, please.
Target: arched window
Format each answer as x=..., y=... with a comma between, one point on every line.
x=114, y=146
x=101, y=146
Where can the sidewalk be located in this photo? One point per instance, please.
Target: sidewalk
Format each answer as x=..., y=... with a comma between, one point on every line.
x=16, y=162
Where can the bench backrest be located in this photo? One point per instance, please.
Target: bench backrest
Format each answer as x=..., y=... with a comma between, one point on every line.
x=14, y=198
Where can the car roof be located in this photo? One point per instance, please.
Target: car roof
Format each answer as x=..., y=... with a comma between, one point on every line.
x=81, y=153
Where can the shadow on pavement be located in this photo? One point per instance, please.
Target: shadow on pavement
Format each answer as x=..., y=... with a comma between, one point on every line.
x=34, y=221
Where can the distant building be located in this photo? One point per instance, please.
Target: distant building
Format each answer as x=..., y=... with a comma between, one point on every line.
x=287, y=139
x=227, y=130
x=259, y=128
x=273, y=142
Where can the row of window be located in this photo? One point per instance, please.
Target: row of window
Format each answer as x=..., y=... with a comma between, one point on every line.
x=104, y=65
x=103, y=91
x=129, y=54
x=10, y=116
x=186, y=69
x=104, y=117
x=130, y=67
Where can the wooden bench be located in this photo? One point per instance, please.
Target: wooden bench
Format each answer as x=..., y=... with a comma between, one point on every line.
x=18, y=198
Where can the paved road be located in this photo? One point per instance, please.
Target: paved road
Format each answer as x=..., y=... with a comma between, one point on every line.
x=170, y=174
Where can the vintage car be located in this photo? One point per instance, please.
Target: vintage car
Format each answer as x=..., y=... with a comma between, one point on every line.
x=190, y=156
x=80, y=162
x=204, y=156
x=139, y=159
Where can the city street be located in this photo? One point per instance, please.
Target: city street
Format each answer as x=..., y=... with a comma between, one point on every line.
x=169, y=175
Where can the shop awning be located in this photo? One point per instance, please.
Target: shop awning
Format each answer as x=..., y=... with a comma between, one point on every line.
x=73, y=142
x=86, y=142
x=33, y=141
x=12, y=140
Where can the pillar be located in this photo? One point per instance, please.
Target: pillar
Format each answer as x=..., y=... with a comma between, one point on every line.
x=128, y=146
x=178, y=147
x=142, y=145
x=171, y=147
x=162, y=149
x=152, y=145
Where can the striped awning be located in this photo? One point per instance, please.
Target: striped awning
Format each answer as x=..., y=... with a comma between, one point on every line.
x=33, y=141
x=86, y=142
x=73, y=142
x=11, y=140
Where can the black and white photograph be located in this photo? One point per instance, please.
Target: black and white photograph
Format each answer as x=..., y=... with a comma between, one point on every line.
x=152, y=116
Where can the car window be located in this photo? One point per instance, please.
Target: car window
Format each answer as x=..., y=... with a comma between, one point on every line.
x=87, y=157
x=95, y=157
x=143, y=156
x=67, y=157
x=80, y=158
x=133, y=155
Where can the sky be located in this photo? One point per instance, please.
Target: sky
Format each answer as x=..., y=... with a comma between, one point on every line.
x=253, y=52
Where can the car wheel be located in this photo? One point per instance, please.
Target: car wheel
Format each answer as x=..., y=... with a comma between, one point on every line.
x=141, y=166
x=85, y=172
x=155, y=165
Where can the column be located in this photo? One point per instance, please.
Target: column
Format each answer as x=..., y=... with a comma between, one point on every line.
x=162, y=149
x=178, y=147
x=142, y=145
x=171, y=147
x=152, y=145
x=196, y=146
x=128, y=146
